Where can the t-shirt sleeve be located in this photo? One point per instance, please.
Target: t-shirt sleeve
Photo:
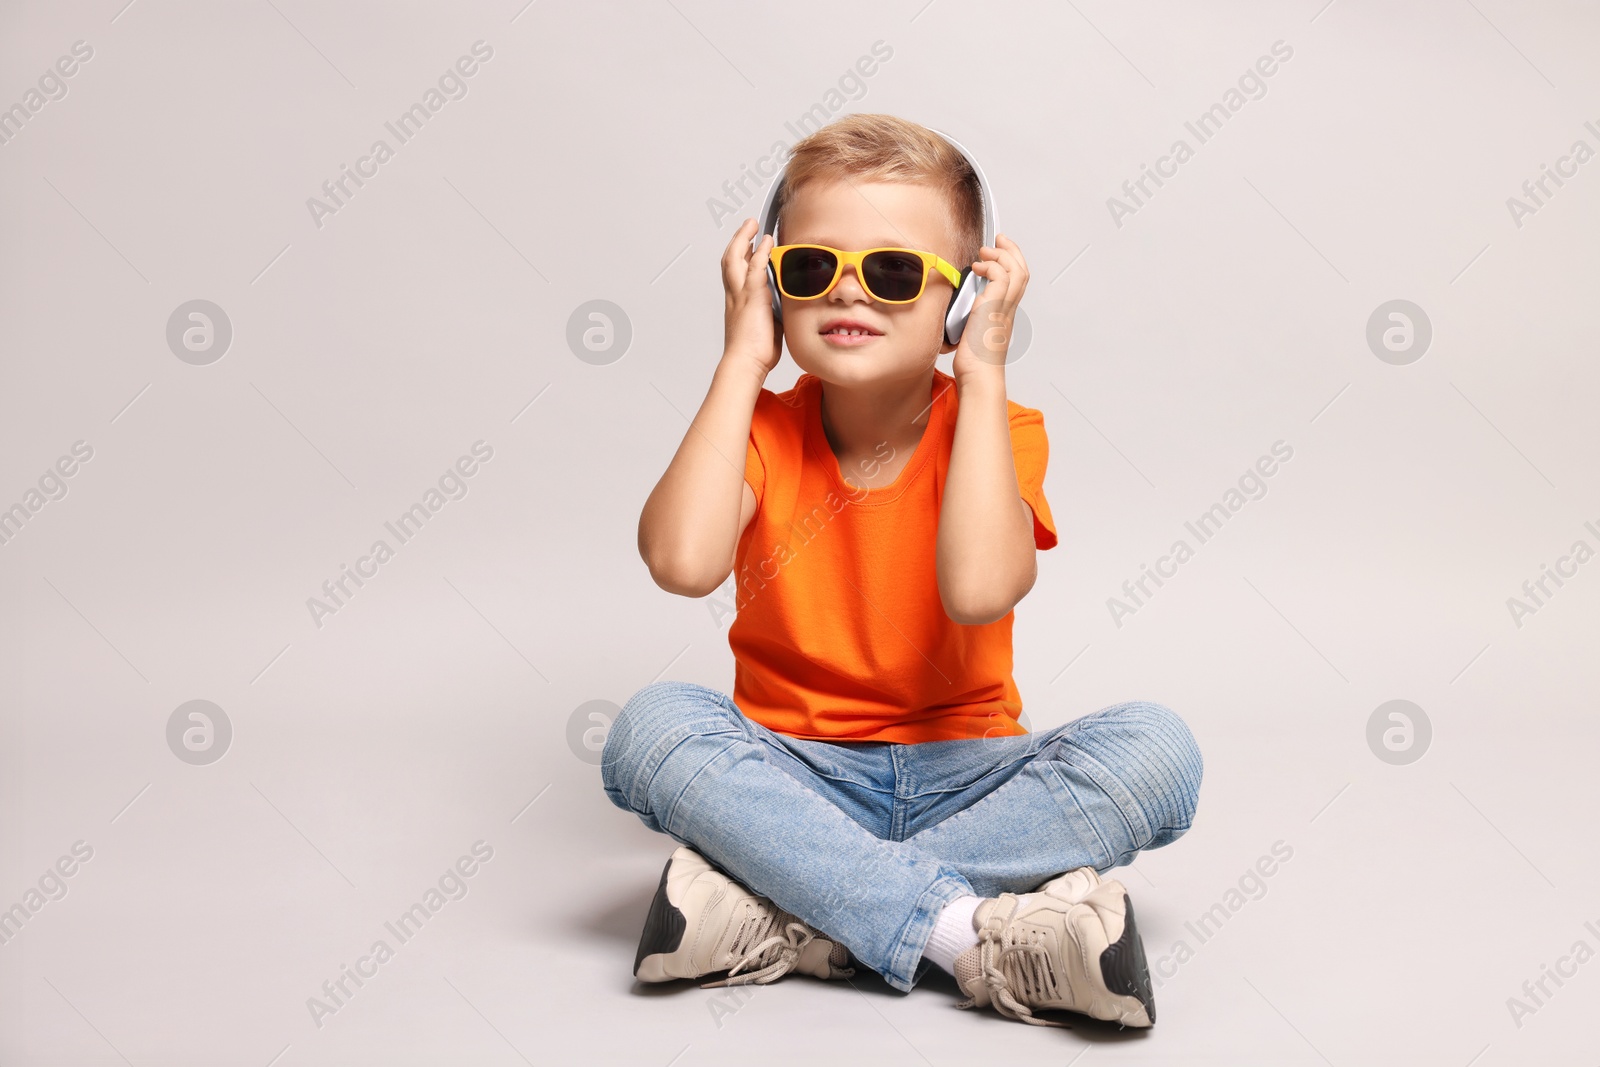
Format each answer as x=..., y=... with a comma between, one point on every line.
x=755, y=467
x=1030, y=451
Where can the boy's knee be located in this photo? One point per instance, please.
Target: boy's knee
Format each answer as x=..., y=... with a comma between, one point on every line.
x=640, y=717
x=1157, y=737
x=1176, y=742
x=644, y=722
x=1168, y=740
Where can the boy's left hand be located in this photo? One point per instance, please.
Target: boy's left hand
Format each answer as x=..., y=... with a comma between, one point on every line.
x=987, y=337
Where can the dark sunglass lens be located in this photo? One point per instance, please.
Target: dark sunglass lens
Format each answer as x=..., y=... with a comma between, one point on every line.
x=806, y=272
x=894, y=275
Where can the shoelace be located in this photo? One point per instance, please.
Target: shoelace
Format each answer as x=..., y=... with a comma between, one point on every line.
x=1027, y=967
x=1029, y=970
x=795, y=935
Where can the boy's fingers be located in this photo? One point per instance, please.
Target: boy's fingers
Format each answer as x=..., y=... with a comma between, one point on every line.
x=1011, y=255
x=758, y=260
x=733, y=259
x=754, y=282
x=739, y=262
x=1011, y=262
x=743, y=232
x=995, y=271
x=1016, y=270
x=739, y=243
x=1017, y=281
x=999, y=293
x=1007, y=252
x=1015, y=252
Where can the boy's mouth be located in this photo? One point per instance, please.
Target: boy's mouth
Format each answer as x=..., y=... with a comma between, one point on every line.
x=848, y=333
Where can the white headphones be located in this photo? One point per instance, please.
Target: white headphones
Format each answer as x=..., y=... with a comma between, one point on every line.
x=966, y=294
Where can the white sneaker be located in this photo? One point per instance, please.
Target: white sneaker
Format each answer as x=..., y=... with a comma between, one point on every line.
x=702, y=922
x=1072, y=886
x=1044, y=953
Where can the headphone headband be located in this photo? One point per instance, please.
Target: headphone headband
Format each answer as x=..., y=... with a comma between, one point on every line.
x=966, y=295
x=983, y=187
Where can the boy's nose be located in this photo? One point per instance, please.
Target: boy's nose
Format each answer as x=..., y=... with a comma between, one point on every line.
x=851, y=281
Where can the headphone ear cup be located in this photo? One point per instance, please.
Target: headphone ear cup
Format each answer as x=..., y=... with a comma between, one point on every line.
x=961, y=301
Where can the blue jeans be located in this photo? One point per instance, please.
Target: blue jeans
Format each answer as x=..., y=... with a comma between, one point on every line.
x=867, y=840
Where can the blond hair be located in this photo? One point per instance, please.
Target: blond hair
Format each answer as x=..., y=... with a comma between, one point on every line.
x=884, y=148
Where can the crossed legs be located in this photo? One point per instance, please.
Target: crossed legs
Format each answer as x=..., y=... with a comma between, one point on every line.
x=979, y=817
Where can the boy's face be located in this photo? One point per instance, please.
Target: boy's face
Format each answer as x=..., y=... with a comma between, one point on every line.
x=852, y=217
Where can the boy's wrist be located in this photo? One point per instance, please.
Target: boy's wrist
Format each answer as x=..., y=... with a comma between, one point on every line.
x=742, y=364
x=982, y=377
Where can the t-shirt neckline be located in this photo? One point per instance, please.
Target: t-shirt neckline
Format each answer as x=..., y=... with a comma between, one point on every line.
x=919, y=457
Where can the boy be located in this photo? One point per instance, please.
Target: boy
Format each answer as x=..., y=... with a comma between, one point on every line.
x=867, y=792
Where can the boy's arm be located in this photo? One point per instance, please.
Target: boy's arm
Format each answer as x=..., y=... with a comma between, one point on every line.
x=986, y=557
x=690, y=527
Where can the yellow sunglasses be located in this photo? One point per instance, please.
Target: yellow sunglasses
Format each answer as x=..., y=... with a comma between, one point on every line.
x=889, y=275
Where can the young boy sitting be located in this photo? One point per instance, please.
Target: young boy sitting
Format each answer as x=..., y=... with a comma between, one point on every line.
x=867, y=793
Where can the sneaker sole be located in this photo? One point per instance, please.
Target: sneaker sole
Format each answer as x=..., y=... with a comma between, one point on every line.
x=663, y=933
x=1124, y=971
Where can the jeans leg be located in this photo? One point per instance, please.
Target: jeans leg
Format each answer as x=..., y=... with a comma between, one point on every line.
x=687, y=761
x=1095, y=792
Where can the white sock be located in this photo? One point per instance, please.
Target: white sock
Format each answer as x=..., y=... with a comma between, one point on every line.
x=953, y=932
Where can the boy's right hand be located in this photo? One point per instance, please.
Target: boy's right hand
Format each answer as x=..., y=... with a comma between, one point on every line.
x=749, y=332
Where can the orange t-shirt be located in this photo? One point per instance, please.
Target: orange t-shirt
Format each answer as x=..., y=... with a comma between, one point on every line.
x=840, y=633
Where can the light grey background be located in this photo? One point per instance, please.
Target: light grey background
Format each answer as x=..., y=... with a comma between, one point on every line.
x=433, y=709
